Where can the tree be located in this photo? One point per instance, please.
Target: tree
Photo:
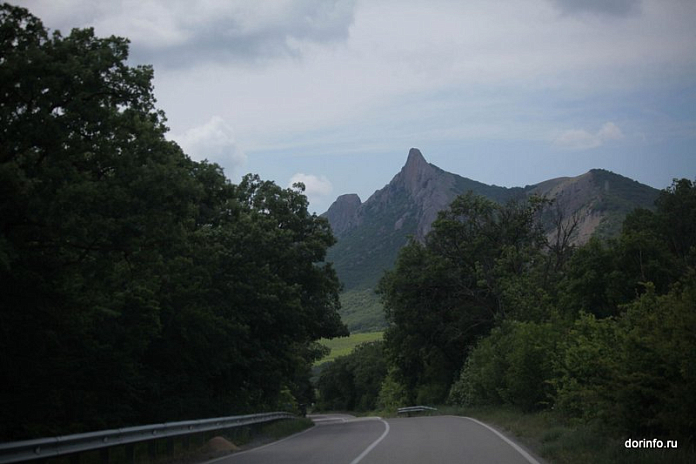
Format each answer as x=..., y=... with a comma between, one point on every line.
x=634, y=372
x=352, y=382
x=676, y=216
x=92, y=195
x=138, y=285
x=513, y=365
x=654, y=246
x=442, y=296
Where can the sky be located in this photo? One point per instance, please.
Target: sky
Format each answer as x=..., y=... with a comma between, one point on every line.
x=334, y=93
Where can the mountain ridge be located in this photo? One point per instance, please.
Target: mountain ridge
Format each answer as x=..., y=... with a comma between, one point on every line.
x=371, y=233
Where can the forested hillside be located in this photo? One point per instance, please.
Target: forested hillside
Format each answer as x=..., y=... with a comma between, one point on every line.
x=138, y=286
x=370, y=234
x=491, y=310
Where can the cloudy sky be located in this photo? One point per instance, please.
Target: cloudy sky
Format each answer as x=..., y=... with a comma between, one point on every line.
x=333, y=93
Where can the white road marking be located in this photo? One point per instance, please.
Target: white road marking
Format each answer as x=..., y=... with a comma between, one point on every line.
x=517, y=448
x=375, y=443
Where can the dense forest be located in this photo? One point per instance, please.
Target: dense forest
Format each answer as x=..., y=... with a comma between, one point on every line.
x=141, y=286
x=138, y=285
x=491, y=310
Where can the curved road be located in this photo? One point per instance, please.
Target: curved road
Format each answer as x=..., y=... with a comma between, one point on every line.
x=343, y=439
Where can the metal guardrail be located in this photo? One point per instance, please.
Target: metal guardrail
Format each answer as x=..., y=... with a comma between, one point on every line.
x=411, y=409
x=43, y=448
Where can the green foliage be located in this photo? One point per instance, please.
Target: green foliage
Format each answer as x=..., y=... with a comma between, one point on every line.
x=604, y=337
x=345, y=345
x=658, y=373
x=585, y=366
x=353, y=382
x=362, y=311
x=617, y=197
x=676, y=219
x=511, y=366
x=139, y=286
x=635, y=372
x=594, y=283
x=654, y=247
x=558, y=440
x=363, y=254
x=392, y=394
x=482, y=262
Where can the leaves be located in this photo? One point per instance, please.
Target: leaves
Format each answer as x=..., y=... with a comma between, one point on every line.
x=353, y=382
x=139, y=285
x=482, y=262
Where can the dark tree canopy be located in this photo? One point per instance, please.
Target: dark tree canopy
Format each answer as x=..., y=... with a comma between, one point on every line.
x=352, y=382
x=443, y=295
x=618, y=352
x=138, y=285
x=487, y=265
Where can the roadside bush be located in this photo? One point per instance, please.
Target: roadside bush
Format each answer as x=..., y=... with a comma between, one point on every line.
x=392, y=394
x=587, y=361
x=636, y=372
x=353, y=382
x=483, y=373
x=657, y=376
x=513, y=365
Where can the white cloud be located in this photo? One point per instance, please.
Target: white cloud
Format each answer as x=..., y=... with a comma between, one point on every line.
x=213, y=141
x=580, y=139
x=610, y=131
x=287, y=71
x=314, y=186
x=181, y=33
x=398, y=53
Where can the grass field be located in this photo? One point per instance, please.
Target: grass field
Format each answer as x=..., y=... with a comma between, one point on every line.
x=345, y=345
x=362, y=311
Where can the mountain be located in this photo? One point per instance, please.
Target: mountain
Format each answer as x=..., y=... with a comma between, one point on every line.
x=370, y=234
x=599, y=198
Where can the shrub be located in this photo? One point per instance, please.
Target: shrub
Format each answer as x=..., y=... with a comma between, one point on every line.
x=513, y=365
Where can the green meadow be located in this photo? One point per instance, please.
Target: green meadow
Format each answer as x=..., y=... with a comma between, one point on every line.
x=345, y=345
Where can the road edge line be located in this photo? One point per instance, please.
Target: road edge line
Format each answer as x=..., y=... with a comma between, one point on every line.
x=375, y=443
x=517, y=447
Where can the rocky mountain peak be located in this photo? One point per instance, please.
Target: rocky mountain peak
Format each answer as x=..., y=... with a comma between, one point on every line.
x=370, y=234
x=343, y=213
x=415, y=172
x=415, y=158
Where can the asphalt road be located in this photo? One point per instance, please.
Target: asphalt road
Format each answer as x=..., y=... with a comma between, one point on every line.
x=343, y=439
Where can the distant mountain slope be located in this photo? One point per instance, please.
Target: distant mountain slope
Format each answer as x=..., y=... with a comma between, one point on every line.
x=599, y=198
x=370, y=234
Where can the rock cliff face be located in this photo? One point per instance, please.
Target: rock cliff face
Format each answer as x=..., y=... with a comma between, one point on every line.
x=599, y=199
x=343, y=213
x=418, y=192
x=430, y=188
x=370, y=234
